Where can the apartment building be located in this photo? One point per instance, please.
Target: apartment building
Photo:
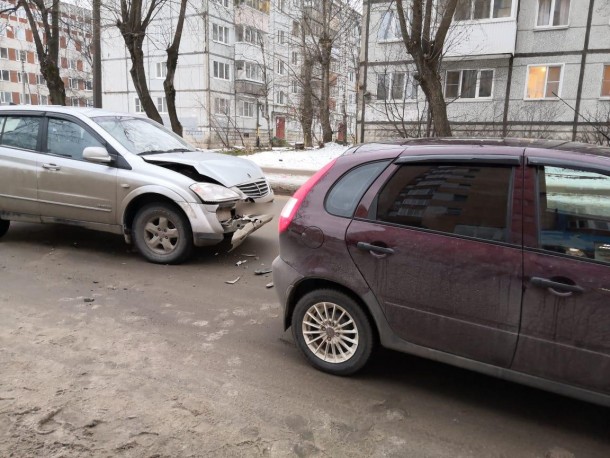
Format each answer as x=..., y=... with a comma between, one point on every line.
x=534, y=68
x=20, y=79
x=238, y=72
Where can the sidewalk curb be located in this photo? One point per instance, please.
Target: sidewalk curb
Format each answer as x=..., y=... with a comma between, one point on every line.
x=285, y=182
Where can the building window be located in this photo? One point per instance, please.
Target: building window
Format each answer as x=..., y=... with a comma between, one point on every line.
x=469, y=84
x=221, y=70
x=88, y=85
x=396, y=86
x=5, y=75
x=221, y=106
x=280, y=98
x=20, y=33
x=246, y=109
x=351, y=98
x=72, y=64
x=6, y=97
x=161, y=104
x=389, y=28
x=294, y=58
x=73, y=83
x=25, y=99
x=75, y=102
x=220, y=34
x=543, y=81
x=253, y=71
x=294, y=87
x=224, y=3
x=248, y=34
x=281, y=37
x=161, y=70
x=23, y=55
x=40, y=80
x=482, y=9
x=553, y=13
x=606, y=81
x=21, y=76
x=139, y=107
x=296, y=28
x=351, y=77
x=3, y=53
x=43, y=100
x=281, y=67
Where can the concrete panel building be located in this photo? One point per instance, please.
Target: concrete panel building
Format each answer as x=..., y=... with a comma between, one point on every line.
x=538, y=68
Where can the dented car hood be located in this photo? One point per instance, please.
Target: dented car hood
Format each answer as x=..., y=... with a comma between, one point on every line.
x=226, y=170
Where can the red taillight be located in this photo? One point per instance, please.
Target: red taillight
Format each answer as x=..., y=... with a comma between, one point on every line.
x=291, y=207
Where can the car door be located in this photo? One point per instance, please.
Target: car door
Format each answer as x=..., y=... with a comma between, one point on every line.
x=19, y=145
x=440, y=249
x=70, y=187
x=565, y=330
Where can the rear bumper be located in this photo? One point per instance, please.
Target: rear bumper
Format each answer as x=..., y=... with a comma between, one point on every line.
x=285, y=277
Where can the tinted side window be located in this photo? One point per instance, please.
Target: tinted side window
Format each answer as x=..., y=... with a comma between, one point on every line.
x=66, y=138
x=574, y=212
x=456, y=199
x=21, y=132
x=348, y=190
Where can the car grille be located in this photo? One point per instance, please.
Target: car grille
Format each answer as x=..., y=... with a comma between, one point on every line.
x=254, y=189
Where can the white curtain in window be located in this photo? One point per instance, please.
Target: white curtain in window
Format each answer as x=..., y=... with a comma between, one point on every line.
x=544, y=12
x=562, y=12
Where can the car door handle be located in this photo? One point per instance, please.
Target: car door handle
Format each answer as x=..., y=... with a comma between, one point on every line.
x=374, y=248
x=557, y=288
x=54, y=167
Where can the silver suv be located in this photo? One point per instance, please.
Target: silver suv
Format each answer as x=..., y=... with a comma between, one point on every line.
x=124, y=174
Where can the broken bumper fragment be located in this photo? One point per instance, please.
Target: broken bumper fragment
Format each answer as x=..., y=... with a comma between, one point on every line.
x=247, y=225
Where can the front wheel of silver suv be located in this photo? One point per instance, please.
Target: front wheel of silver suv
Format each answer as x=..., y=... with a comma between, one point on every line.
x=162, y=234
x=4, y=225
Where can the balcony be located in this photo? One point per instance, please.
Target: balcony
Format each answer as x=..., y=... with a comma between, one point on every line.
x=248, y=87
x=482, y=38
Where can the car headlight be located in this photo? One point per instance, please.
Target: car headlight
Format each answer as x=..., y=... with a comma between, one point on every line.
x=214, y=194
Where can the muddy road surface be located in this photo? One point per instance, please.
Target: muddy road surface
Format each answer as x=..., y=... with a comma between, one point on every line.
x=105, y=355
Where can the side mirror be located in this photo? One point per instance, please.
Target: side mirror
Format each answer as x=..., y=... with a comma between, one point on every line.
x=97, y=154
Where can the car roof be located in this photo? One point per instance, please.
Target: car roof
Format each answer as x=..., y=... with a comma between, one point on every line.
x=459, y=146
x=88, y=112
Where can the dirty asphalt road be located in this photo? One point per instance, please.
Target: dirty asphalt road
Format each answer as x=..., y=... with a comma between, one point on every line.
x=102, y=354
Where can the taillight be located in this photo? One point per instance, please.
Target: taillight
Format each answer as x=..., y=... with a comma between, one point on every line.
x=293, y=204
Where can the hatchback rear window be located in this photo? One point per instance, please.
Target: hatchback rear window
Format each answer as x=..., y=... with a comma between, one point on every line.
x=349, y=189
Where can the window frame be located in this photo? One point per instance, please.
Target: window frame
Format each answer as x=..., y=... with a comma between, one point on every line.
x=160, y=70
x=561, y=78
x=539, y=163
x=514, y=163
x=491, y=18
x=476, y=98
x=220, y=31
x=216, y=70
x=551, y=15
x=393, y=19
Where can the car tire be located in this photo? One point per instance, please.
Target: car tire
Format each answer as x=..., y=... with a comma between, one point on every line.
x=162, y=234
x=4, y=225
x=338, y=312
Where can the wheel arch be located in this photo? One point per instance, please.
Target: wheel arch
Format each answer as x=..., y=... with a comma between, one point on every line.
x=311, y=284
x=142, y=200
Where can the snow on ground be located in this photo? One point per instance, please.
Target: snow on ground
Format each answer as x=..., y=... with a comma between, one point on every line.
x=309, y=160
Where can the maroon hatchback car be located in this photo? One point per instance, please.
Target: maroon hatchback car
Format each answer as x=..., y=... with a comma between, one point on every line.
x=491, y=255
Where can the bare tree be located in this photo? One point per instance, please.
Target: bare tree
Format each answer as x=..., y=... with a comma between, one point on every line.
x=47, y=43
x=172, y=62
x=597, y=130
x=133, y=19
x=424, y=25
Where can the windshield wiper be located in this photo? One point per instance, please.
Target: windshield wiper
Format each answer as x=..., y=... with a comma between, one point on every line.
x=162, y=151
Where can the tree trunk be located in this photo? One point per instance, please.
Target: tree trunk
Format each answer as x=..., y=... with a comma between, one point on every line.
x=172, y=63
x=138, y=75
x=306, y=118
x=433, y=89
x=327, y=130
x=48, y=52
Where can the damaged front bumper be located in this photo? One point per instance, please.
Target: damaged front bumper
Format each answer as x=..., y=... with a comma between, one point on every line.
x=246, y=225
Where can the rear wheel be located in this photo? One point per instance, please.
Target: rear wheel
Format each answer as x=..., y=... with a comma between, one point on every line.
x=332, y=331
x=4, y=225
x=162, y=234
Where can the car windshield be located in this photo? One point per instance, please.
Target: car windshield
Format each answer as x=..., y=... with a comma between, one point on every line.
x=142, y=136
